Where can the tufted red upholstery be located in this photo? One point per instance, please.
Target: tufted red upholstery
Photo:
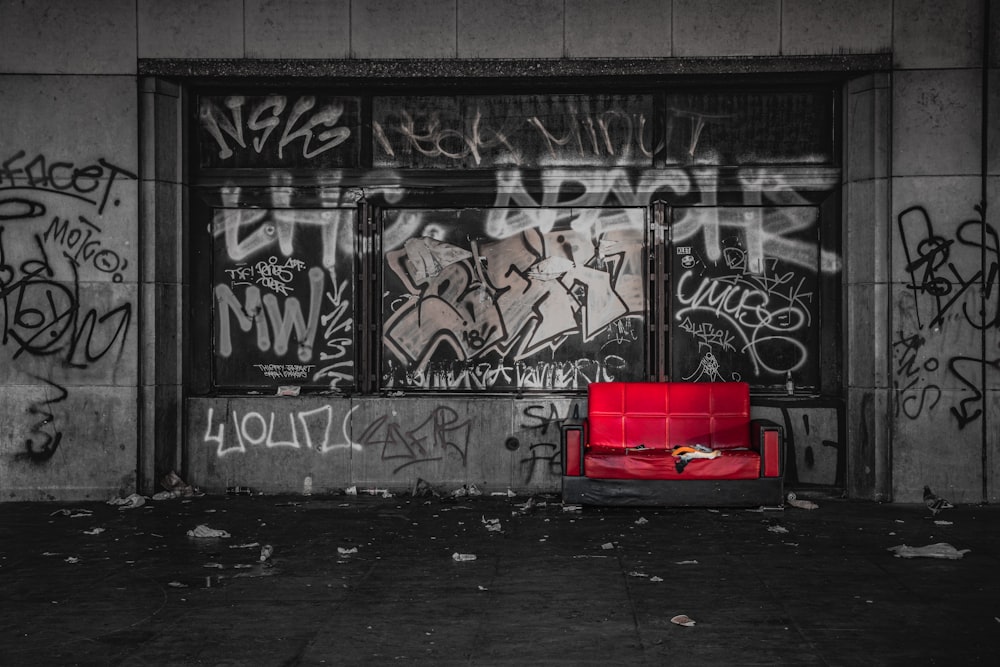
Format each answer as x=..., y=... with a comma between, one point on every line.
x=663, y=415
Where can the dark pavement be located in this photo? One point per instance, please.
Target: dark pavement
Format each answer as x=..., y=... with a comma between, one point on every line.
x=585, y=587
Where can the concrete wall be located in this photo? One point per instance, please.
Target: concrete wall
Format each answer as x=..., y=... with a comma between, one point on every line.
x=94, y=340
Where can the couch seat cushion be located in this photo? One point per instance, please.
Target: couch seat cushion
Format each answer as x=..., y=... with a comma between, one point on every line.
x=614, y=463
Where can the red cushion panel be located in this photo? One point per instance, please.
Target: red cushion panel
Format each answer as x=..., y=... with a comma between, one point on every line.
x=610, y=463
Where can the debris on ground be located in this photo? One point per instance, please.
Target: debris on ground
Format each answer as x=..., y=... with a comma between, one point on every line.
x=128, y=502
x=800, y=503
x=939, y=522
x=249, y=545
x=344, y=551
x=572, y=508
x=94, y=531
x=423, y=488
x=201, y=530
x=683, y=619
x=72, y=559
x=177, y=584
x=266, y=552
x=941, y=550
x=466, y=490
x=351, y=491
x=460, y=557
x=777, y=529
x=636, y=573
x=686, y=562
x=641, y=521
x=607, y=546
x=656, y=579
x=507, y=494
x=492, y=525
x=73, y=513
x=175, y=487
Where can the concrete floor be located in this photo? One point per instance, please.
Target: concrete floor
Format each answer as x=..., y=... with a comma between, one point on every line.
x=552, y=587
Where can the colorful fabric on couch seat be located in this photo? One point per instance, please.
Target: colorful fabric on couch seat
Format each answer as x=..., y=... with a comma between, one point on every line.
x=609, y=463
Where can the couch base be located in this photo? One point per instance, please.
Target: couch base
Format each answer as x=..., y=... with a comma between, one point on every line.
x=766, y=491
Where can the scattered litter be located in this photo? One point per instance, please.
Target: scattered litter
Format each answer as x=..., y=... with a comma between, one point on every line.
x=250, y=545
x=524, y=507
x=714, y=511
x=483, y=588
x=202, y=530
x=176, y=487
x=635, y=573
x=508, y=493
x=941, y=550
x=382, y=493
x=641, y=521
x=656, y=579
x=492, y=525
x=777, y=529
x=422, y=488
x=128, y=502
x=351, y=491
x=466, y=490
x=801, y=504
x=72, y=559
x=941, y=522
x=93, y=531
x=217, y=566
x=239, y=491
x=242, y=566
x=767, y=508
x=682, y=619
x=51, y=553
x=900, y=521
x=288, y=390
x=177, y=584
x=266, y=552
x=343, y=551
x=687, y=562
x=74, y=513
x=457, y=557
x=588, y=556
x=608, y=545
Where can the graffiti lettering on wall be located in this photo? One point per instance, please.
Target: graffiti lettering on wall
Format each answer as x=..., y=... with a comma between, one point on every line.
x=283, y=277
x=954, y=285
x=442, y=432
x=512, y=130
x=242, y=131
x=498, y=305
x=540, y=427
x=54, y=250
x=911, y=374
x=763, y=311
x=93, y=184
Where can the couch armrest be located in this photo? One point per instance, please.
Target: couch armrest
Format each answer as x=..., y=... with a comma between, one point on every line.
x=572, y=437
x=768, y=439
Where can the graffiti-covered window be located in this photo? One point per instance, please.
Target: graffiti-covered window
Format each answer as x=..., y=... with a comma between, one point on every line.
x=284, y=298
x=745, y=295
x=500, y=299
x=408, y=238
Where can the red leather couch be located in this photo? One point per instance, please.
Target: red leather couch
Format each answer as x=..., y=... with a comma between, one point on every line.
x=625, y=452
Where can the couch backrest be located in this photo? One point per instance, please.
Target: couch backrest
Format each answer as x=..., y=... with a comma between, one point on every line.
x=667, y=414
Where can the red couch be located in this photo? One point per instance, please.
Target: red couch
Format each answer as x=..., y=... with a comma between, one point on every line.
x=636, y=447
